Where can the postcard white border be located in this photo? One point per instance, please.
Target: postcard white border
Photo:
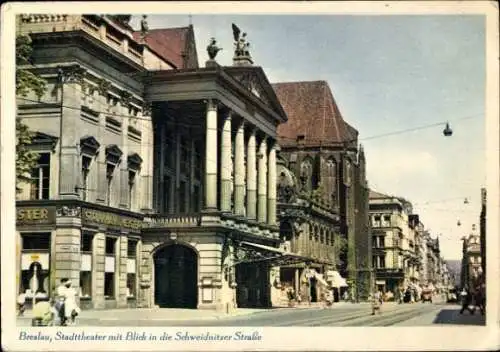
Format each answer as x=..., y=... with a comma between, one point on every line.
x=411, y=338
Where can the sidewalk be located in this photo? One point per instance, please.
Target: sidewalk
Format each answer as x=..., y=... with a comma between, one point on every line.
x=163, y=314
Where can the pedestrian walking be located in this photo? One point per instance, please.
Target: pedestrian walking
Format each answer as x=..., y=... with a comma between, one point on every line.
x=479, y=299
x=466, y=301
x=71, y=309
x=376, y=302
x=60, y=297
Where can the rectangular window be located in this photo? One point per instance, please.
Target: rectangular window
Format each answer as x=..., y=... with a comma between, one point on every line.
x=381, y=262
x=387, y=220
x=110, y=246
x=85, y=175
x=86, y=243
x=131, y=187
x=36, y=241
x=381, y=242
x=132, y=248
x=374, y=242
x=40, y=178
x=376, y=221
x=109, y=285
x=110, y=168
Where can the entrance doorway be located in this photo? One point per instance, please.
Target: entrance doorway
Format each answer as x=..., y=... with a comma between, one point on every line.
x=176, y=277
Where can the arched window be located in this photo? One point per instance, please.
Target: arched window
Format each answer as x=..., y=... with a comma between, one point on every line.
x=306, y=174
x=331, y=180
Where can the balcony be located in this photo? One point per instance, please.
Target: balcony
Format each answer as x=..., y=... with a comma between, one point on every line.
x=172, y=220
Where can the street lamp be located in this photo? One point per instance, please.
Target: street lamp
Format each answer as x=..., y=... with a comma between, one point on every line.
x=447, y=132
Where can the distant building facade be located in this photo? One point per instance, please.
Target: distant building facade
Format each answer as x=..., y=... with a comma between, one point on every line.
x=325, y=214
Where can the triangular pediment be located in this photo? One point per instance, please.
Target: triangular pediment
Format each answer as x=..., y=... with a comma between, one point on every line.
x=41, y=141
x=89, y=145
x=113, y=153
x=134, y=161
x=255, y=81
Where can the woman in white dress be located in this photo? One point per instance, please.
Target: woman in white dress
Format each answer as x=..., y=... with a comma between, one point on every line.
x=71, y=309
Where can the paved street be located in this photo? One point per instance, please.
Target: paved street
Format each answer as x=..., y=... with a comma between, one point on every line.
x=341, y=315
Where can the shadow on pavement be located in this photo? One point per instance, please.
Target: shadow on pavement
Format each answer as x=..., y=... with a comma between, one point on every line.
x=452, y=316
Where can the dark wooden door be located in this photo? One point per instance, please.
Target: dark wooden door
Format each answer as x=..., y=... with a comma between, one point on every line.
x=176, y=276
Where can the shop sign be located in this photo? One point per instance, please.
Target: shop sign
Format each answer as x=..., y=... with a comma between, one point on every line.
x=35, y=216
x=91, y=216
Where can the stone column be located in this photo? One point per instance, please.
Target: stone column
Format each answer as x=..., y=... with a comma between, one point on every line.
x=262, y=182
x=98, y=253
x=271, y=187
x=121, y=274
x=226, y=165
x=239, y=171
x=211, y=156
x=251, y=177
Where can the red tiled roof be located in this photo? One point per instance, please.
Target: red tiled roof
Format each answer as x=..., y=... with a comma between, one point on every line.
x=313, y=113
x=169, y=43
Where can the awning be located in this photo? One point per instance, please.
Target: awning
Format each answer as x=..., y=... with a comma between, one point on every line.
x=272, y=255
x=335, y=279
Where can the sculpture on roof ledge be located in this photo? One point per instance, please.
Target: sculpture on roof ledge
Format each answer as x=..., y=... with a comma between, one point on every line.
x=241, y=51
x=144, y=27
x=213, y=49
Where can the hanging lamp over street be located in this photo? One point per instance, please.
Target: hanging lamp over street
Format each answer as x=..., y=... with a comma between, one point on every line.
x=447, y=130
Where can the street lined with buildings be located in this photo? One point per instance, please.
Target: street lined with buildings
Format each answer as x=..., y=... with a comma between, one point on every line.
x=160, y=183
x=344, y=314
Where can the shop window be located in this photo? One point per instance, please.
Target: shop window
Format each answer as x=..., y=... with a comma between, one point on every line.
x=131, y=285
x=36, y=241
x=131, y=267
x=85, y=284
x=86, y=161
x=109, y=285
x=35, y=265
x=40, y=178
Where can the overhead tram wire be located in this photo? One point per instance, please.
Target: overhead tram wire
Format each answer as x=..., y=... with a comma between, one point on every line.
x=152, y=145
x=220, y=129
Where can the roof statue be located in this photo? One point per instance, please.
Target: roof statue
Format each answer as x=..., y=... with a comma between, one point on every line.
x=213, y=49
x=144, y=27
x=240, y=43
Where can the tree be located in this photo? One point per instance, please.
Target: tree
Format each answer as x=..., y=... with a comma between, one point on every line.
x=27, y=82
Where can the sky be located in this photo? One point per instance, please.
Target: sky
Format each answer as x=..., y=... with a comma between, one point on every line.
x=387, y=74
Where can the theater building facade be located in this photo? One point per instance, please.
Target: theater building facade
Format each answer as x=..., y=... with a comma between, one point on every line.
x=156, y=178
